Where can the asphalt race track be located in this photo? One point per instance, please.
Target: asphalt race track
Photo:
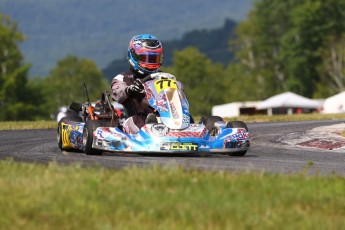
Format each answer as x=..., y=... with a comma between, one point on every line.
x=267, y=153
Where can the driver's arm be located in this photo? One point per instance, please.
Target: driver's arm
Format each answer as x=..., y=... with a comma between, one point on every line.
x=118, y=87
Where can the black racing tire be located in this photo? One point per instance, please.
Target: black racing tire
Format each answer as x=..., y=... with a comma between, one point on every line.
x=237, y=124
x=209, y=121
x=71, y=118
x=89, y=128
x=59, y=129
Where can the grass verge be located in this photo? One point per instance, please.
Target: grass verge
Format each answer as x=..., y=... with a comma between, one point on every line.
x=71, y=197
x=15, y=125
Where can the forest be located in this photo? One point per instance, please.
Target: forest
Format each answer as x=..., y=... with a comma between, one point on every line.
x=296, y=45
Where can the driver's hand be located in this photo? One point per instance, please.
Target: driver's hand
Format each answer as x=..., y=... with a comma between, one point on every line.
x=136, y=89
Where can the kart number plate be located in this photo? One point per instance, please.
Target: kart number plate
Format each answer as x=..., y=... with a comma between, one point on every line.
x=165, y=84
x=177, y=146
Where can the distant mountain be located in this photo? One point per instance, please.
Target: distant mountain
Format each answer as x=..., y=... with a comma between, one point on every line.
x=214, y=43
x=101, y=29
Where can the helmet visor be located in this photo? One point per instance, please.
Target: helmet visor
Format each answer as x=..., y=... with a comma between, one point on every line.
x=150, y=58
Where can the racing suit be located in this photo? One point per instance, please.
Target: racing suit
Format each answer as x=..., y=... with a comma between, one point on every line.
x=136, y=105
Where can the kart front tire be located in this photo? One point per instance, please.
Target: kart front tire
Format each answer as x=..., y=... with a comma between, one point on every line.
x=237, y=124
x=209, y=121
x=59, y=129
x=89, y=128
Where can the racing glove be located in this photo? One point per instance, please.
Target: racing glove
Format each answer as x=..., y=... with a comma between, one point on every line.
x=136, y=90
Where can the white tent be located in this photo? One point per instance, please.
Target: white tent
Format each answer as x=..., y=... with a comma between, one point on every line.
x=335, y=104
x=288, y=100
x=232, y=109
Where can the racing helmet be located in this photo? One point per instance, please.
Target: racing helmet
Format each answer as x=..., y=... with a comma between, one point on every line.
x=145, y=54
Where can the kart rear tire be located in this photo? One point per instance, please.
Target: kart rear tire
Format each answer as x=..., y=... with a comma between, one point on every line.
x=209, y=121
x=89, y=128
x=59, y=133
x=237, y=124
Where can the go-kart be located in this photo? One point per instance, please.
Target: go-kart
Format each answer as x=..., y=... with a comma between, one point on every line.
x=173, y=131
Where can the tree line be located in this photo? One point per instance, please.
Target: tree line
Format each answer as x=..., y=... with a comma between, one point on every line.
x=295, y=45
x=23, y=98
x=213, y=43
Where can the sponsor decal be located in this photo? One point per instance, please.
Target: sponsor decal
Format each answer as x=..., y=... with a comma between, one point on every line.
x=174, y=111
x=189, y=133
x=160, y=102
x=186, y=119
x=178, y=146
x=241, y=134
x=162, y=97
x=100, y=133
x=161, y=105
x=195, y=128
x=148, y=91
x=159, y=130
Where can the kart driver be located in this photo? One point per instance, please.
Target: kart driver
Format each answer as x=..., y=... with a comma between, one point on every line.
x=145, y=56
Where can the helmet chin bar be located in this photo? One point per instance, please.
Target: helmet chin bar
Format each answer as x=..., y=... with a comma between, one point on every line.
x=139, y=69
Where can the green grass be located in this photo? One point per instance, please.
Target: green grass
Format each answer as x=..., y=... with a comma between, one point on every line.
x=71, y=197
x=14, y=125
